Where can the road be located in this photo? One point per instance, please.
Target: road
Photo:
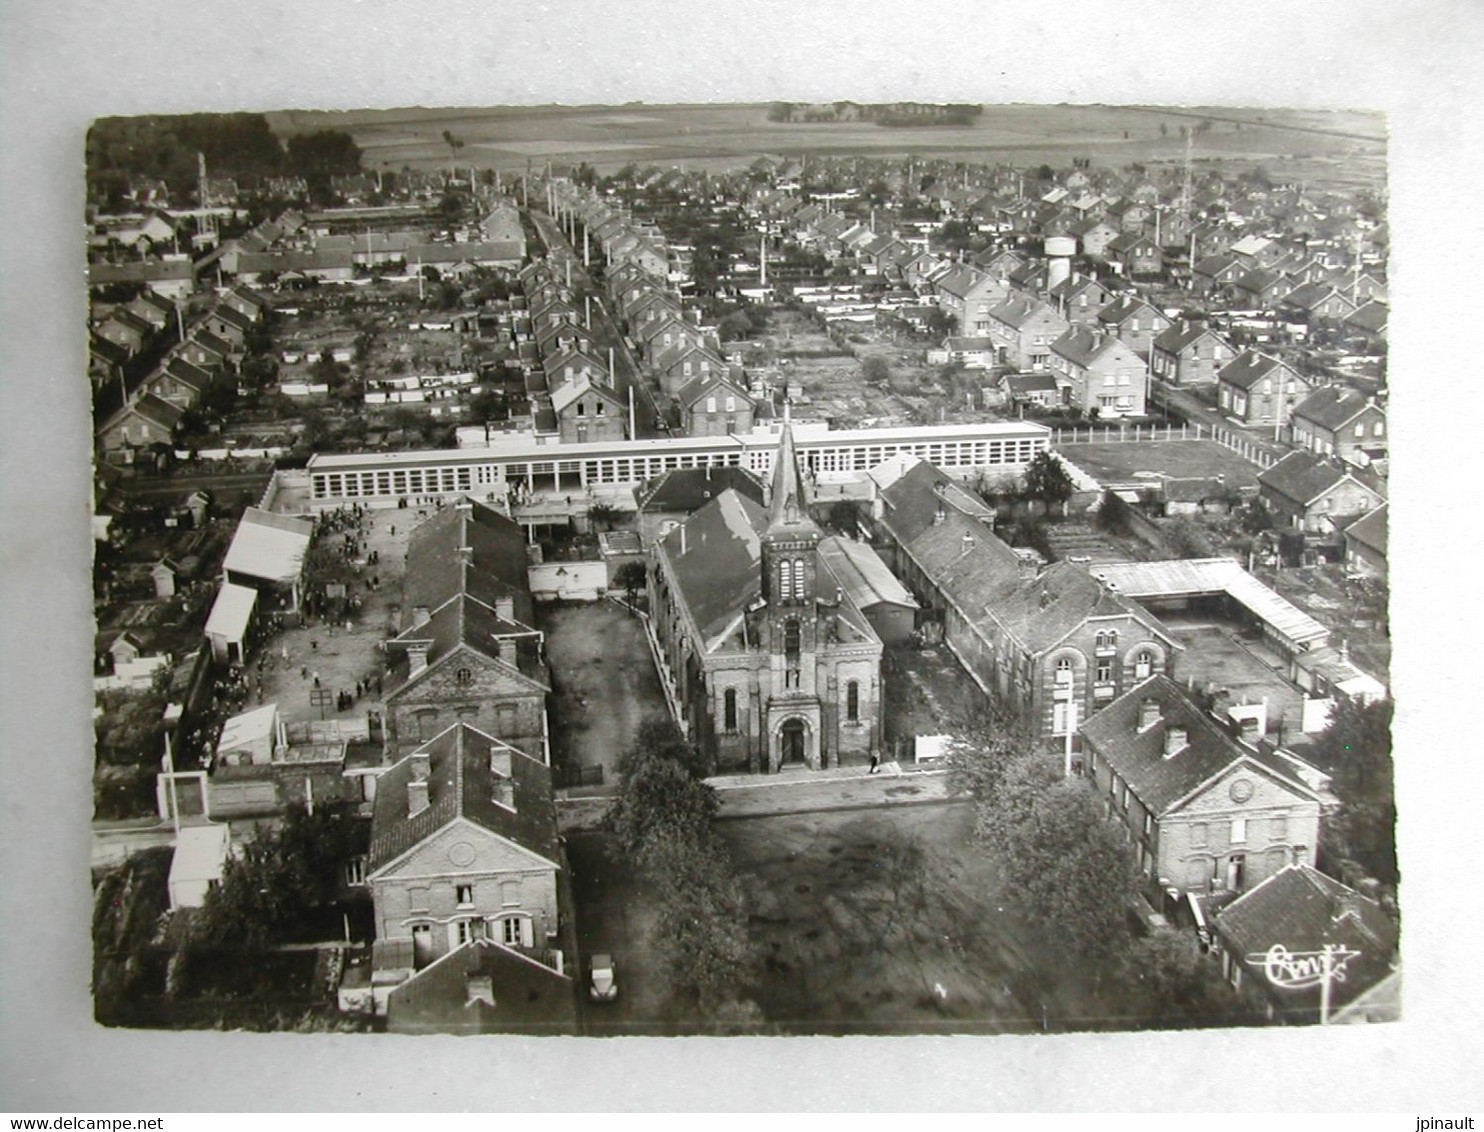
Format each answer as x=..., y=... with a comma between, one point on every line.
x=606, y=333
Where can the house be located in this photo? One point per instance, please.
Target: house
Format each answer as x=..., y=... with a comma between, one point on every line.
x=682, y=363
x=206, y=351
x=1368, y=323
x=716, y=404
x=148, y=419
x=1135, y=322
x=1050, y=644
x=772, y=662
x=1365, y=544
x=468, y=651
x=588, y=410
x=1286, y=934
x=953, y=288
x=980, y=295
x=1094, y=236
x=1315, y=494
x=975, y=353
x=1214, y=273
x=180, y=383
x=1023, y=330
x=228, y=324
x=1317, y=302
x=1079, y=298
x=667, y=500
x=1204, y=812
x=1258, y=389
x=1135, y=255
x=1097, y=372
x=1020, y=389
x=125, y=328
x=1189, y=353
x=464, y=853
x=1336, y=421
x=1259, y=289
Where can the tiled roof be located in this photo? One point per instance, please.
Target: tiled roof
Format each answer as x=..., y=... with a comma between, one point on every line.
x=1085, y=347
x=466, y=770
x=1370, y=530
x=496, y=567
x=1180, y=336
x=1161, y=783
x=862, y=574
x=1302, y=477
x=525, y=996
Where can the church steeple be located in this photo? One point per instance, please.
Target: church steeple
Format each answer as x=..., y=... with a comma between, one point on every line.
x=792, y=537
x=788, y=507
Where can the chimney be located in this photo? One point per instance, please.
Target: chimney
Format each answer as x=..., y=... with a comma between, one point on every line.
x=505, y=608
x=939, y=515
x=507, y=650
x=420, y=615
x=417, y=657
x=464, y=506
x=417, y=786
x=1175, y=740
x=1249, y=730
x=1045, y=598
x=1149, y=714
x=968, y=542
x=466, y=555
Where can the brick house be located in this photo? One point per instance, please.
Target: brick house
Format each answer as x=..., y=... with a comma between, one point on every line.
x=1135, y=255
x=1097, y=371
x=464, y=852
x=682, y=363
x=469, y=653
x=1023, y=330
x=716, y=405
x=1336, y=421
x=1094, y=236
x=1365, y=544
x=1304, y=912
x=1079, y=298
x=1049, y=644
x=588, y=410
x=1258, y=389
x=1135, y=322
x=148, y=419
x=1315, y=494
x=1189, y=353
x=1204, y=812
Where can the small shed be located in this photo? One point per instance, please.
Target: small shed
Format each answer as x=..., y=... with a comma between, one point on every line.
x=200, y=856
x=228, y=623
x=251, y=737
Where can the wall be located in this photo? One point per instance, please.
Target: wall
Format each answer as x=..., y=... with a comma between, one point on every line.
x=568, y=581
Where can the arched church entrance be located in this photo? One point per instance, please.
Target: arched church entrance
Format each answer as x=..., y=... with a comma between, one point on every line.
x=793, y=743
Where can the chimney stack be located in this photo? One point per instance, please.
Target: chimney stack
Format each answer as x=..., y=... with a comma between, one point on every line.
x=507, y=650
x=1149, y=714
x=939, y=515
x=505, y=608
x=417, y=657
x=1175, y=740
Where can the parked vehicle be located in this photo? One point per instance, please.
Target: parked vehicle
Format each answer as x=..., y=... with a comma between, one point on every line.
x=603, y=984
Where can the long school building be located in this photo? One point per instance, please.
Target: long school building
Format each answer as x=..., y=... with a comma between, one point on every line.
x=994, y=446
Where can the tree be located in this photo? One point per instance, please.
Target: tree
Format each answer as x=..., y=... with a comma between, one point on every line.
x=279, y=879
x=631, y=578
x=1047, y=480
x=1355, y=749
x=876, y=370
x=603, y=515
x=941, y=324
x=1174, y=980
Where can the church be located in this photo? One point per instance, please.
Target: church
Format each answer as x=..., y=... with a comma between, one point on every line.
x=770, y=657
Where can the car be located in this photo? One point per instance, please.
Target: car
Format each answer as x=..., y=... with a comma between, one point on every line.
x=603, y=983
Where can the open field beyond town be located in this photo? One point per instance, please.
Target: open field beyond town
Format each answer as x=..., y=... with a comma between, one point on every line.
x=727, y=136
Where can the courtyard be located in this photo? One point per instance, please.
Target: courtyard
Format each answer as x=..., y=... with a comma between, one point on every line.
x=1219, y=656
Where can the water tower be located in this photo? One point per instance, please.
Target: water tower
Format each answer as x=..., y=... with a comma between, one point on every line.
x=1059, y=253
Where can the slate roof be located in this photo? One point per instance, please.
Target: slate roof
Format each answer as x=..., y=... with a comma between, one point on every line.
x=1180, y=337
x=686, y=490
x=152, y=408
x=569, y=391
x=1332, y=406
x=1302, y=910
x=1018, y=310
x=912, y=501
x=1369, y=316
x=1085, y=347
x=716, y=558
x=1040, y=610
x=529, y=997
x=1248, y=368
x=465, y=769
x=1370, y=530
x=1163, y=784
x=862, y=574
x=497, y=564
x=1022, y=384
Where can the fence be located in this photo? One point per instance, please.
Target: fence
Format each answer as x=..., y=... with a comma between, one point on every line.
x=1243, y=446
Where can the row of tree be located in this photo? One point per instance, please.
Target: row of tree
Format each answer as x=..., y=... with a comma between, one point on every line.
x=662, y=821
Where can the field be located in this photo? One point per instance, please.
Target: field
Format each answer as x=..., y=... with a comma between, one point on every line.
x=1121, y=463
x=1319, y=147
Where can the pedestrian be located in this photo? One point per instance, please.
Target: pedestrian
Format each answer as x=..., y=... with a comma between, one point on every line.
x=316, y=679
x=875, y=762
x=303, y=672
x=314, y=644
